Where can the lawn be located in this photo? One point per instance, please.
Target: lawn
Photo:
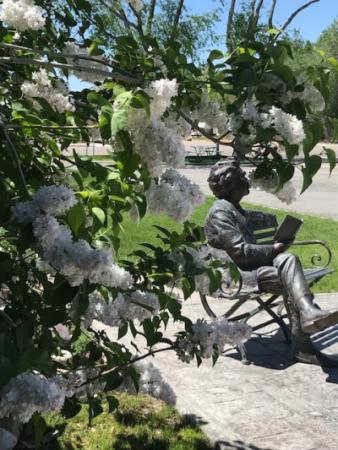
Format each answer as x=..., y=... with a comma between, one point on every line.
x=140, y=423
x=313, y=228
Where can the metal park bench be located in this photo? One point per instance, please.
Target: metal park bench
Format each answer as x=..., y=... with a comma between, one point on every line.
x=244, y=306
x=202, y=153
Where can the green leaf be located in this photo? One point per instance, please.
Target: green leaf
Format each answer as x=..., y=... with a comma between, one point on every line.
x=71, y=408
x=332, y=157
x=215, y=54
x=76, y=217
x=123, y=330
x=312, y=165
x=99, y=214
x=104, y=124
x=113, y=403
x=95, y=408
x=97, y=99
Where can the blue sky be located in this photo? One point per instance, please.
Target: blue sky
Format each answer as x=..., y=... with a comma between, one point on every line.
x=310, y=22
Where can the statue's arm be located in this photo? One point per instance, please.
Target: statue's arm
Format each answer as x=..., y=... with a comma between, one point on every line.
x=224, y=233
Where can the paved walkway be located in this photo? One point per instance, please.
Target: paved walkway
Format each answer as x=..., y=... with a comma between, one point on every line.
x=271, y=404
x=319, y=199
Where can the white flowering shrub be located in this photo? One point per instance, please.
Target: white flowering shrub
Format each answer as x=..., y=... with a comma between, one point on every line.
x=61, y=214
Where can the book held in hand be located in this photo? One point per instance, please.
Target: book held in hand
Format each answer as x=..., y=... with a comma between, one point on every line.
x=288, y=229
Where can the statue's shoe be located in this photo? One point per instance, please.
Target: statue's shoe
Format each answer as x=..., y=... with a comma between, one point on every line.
x=317, y=358
x=318, y=321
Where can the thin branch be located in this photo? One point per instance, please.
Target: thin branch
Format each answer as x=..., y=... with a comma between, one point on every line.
x=139, y=20
x=120, y=15
x=113, y=64
x=16, y=157
x=150, y=16
x=271, y=13
x=216, y=140
x=293, y=15
x=251, y=14
x=74, y=67
x=229, y=26
x=177, y=18
x=16, y=126
x=122, y=366
x=257, y=14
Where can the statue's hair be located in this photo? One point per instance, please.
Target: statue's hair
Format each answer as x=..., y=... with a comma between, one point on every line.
x=221, y=178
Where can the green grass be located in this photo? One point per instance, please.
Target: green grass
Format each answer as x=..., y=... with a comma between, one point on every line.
x=313, y=228
x=140, y=423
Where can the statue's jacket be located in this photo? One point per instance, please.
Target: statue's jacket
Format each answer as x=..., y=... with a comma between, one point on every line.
x=227, y=228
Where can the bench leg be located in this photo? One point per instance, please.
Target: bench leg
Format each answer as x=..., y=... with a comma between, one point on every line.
x=284, y=327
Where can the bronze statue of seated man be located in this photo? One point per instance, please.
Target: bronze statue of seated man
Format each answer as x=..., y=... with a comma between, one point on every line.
x=273, y=269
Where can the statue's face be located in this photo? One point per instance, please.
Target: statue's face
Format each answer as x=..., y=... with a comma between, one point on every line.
x=241, y=184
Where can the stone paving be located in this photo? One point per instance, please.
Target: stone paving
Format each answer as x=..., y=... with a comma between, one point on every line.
x=272, y=404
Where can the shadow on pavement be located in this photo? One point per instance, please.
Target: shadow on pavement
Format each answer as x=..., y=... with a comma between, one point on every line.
x=236, y=445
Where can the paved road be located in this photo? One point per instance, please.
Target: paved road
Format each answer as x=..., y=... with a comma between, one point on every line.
x=271, y=404
x=320, y=199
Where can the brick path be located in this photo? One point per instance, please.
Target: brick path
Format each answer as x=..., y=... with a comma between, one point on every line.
x=271, y=404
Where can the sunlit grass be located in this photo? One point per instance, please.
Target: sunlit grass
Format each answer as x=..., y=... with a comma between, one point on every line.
x=313, y=228
x=140, y=423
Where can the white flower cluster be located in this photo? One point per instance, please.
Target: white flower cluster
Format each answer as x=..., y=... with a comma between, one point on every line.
x=288, y=126
x=136, y=305
x=42, y=87
x=211, y=114
x=161, y=92
x=210, y=338
x=175, y=195
x=28, y=393
x=136, y=4
x=22, y=15
x=157, y=142
x=309, y=95
x=287, y=194
x=77, y=261
x=73, y=49
x=151, y=382
x=54, y=200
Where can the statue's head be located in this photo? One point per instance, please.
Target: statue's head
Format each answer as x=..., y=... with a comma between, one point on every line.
x=229, y=181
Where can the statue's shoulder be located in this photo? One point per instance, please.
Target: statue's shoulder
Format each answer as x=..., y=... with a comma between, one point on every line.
x=221, y=205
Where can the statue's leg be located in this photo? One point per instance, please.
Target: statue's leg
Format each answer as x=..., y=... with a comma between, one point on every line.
x=303, y=349
x=312, y=319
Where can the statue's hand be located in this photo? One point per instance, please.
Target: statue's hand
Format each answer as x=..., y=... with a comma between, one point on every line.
x=280, y=247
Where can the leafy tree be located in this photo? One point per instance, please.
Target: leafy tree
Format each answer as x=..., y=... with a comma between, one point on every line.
x=61, y=215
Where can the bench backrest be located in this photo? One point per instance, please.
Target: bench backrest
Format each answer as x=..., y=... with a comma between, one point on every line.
x=263, y=225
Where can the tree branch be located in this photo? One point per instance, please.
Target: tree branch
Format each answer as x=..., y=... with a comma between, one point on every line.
x=75, y=57
x=257, y=14
x=216, y=140
x=74, y=67
x=229, y=26
x=16, y=157
x=122, y=366
x=293, y=15
x=139, y=25
x=271, y=13
x=177, y=18
x=150, y=16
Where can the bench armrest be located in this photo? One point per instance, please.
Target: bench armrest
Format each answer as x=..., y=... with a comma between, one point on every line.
x=317, y=258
